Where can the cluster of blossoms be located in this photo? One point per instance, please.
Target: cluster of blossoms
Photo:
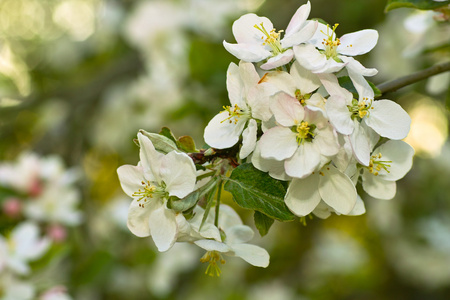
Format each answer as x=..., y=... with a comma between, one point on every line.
x=36, y=193
x=302, y=114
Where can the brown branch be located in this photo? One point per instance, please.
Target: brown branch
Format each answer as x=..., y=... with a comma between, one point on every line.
x=392, y=86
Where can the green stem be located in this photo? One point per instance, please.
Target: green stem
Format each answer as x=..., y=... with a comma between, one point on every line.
x=219, y=193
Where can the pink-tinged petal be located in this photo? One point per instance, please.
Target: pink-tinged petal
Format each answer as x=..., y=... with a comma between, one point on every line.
x=248, y=139
x=301, y=36
x=279, y=60
x=377, y=187
x=278, y=143
x=130, y=178
x=388, y=119
x=400, y=155
x=358, y=42
x=360, y=144
x=178, y=173
x=238, y=234
x=245, y=32
x=248, y=75
x=326, y=141
x=247, y=52
x=235, y=86
x=274, y=167
x=163, y=226
x=252, y=254
x=339, y=115
x=211, y=245
x=331, y=84
x=150, y=159
x=220, y=133
x=298, y=19
x=337, y=190
x=287, y=110
x=303, y=196
x=304, y=161
x=138, y=218
x=305, y=80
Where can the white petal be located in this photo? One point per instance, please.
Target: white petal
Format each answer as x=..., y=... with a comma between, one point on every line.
x=248, y=139
x=326, y=141
x=378, y=188
x=337, y=190
x=235, y=86
x=389, y=119
x=258, y=99
x=359, y=208
x=339, y=115
x=359, y=82
x=248, y=75
x=298, y=19
x=357, y=67
x=331, y=84
x=359, y=42
x=303, y=196
x=138, y=218
x=245, y=32
x=283, y=81
x=274, y=167
x=252, y=254
x=149, y=157
x=228, y=217
x=278, y=143
x=178, y=173
x=247, y=52
x=309, y=57
x=279, y=60
x=306, y=81
x=360, y=144
x=238, y=234
x=400, y=154
x=211, y=245
x=163, y=227
x=220, y=133
x=301, y=36
x=320, y=35
x=287, y=110
x=304, y=161
x=130, y=178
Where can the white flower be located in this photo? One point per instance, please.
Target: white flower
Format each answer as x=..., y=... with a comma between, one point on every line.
x=329, y=184
x=225, y=129
x=56, y=293
x=22, y=246
x=323, y=210
x=257, y=39
x=389, y=163
x=150, y=183
x=304, y=139
x=231, y=241
x=13, y=289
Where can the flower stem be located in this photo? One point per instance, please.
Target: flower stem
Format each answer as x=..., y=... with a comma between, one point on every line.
x=392, y=86
x=219, y=193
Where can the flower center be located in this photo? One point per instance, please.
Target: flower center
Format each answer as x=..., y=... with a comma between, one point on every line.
x=235, y=113
x=302, y=97
x=305, y=132
x=360, y=109
x=213, y=258
x=149, y=191
x=375, y=164
x=331, y=43
x=272, y=38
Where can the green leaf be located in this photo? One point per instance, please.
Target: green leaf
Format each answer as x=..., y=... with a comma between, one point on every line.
x=347, y=84
x=419, y=4
x=256, y=190
x=262, y=222
x=168, y=134
x=186, y=143
x=161, y=142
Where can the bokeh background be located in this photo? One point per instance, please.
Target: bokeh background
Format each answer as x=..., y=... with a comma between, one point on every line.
x=79, y=78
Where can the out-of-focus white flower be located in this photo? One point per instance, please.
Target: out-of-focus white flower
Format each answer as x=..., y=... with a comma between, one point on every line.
x=22, y=246
x=257, y=39
x=56, y=293
x=150, y=183
x=13, y=289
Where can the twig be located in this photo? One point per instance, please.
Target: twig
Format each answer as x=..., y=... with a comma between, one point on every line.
x=392, y=86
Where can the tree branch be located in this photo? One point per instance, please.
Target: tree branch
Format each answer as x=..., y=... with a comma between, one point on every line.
x=392, y=86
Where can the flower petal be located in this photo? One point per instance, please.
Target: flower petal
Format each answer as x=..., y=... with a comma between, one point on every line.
x=274, y=167
x=247, y=52
x=339, y=115
x=248, y=139
x=360, y=144
x=211, y=245
x=138, y=218
x=163, y=226
x=304, y=161
x=287, y=110
x=252, y=254
x=337, y=190
x=178, y=173
x=298, y=19
x=389, y=119
x=149, y=157
x=278, y=60
x=400, y=155
x=357, y=43
x=305, y=80
x=303, y=35
x=130, y=178
x=303, y=196
x=238, y=234
x=278, y=143
x=221, y=132
x=378, y=188
x=245, y=32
